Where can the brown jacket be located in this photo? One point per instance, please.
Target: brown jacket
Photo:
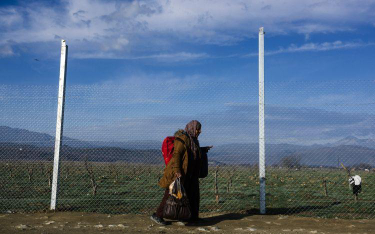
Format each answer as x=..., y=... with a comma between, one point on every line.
x=179, y=161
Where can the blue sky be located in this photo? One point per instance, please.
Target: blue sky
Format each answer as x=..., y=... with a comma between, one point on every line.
x=199, y=40
x=177, y=43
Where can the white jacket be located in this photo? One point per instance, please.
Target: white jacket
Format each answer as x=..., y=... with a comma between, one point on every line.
x=356, y=180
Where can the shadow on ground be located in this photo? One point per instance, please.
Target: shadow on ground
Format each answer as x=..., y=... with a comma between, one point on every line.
x=209, y=221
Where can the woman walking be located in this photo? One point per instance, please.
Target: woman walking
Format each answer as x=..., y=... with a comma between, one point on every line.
x=185, y=164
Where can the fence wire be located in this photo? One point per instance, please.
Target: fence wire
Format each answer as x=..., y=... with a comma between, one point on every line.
x=111, y=161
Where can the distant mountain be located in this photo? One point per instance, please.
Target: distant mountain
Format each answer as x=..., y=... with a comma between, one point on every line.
x=23, y=144
x=145, y=144
x=333, y=156
x=15, y=152
x=8, y=134
x=310, y=156
x=316, y=155
x=23, y=136
x=351, y=140
x=249, y=153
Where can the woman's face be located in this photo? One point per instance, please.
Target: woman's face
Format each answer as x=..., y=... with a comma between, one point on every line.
x=198, y=131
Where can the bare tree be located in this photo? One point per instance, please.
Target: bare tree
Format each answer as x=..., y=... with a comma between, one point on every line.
x=48, y=172
x=216, y=187
x=10, y=169
x=41, y=167
x=91, y=174
x=30, y=173
x=362, y=166
x=116, y=172
x=291, y=161
x=67, y=171
x=348, y=173
x=325, y=187
x=229, y=183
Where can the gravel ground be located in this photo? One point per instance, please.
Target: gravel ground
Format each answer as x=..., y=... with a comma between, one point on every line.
x=73, y=222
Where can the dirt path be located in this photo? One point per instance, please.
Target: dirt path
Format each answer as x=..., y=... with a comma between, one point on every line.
x=67, y=222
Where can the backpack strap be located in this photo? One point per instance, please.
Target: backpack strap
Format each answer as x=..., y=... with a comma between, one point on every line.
x=183, y=142
x=180, y=140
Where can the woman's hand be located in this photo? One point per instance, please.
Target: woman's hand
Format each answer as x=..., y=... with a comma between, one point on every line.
x=206, y=149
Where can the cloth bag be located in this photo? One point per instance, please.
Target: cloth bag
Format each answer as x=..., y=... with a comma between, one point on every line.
x=177, y=205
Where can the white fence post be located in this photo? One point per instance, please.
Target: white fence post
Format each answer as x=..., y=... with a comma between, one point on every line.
x=262, y=158
x=59, y=122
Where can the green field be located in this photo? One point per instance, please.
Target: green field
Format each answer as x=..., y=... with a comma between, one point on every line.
x=132, y=188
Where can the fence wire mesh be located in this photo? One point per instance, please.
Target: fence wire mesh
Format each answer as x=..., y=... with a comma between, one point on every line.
x=111, y=161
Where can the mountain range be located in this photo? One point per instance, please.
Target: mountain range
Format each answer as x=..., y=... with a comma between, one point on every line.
x=23, y=136
x=349, y=150
x=351, y=140
x=316, y=155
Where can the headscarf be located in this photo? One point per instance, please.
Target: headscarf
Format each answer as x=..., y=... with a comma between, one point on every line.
x=191, y=130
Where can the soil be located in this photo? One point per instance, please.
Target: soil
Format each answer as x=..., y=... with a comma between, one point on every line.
x=73, y=222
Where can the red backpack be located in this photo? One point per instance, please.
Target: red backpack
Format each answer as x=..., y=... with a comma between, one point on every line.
x=167, y=149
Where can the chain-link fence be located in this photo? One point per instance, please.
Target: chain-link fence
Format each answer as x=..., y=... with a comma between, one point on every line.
x=315, y=130
x=111, y=160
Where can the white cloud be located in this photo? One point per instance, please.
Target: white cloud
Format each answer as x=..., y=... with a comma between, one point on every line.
x=325, y=46
x=322, y=46
x=324, y=113
x=130, y=28
x=6, y=51
x=239, y=123
x=9, y=18
x=173, y=57
x=118, y=44
x=148, y=109
x=176, y=57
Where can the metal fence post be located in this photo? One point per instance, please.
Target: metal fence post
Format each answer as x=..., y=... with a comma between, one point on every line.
x=262, y=159
x=59, y=122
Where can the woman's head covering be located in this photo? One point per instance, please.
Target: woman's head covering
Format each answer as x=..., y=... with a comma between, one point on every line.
x=191, y=130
